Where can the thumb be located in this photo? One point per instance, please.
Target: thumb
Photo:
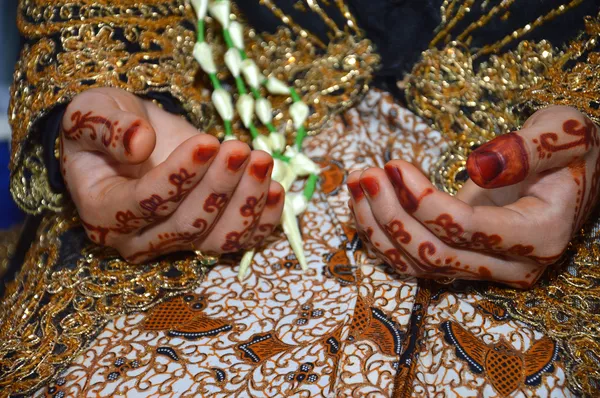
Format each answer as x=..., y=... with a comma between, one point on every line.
x=96, y=121
x=551, y=138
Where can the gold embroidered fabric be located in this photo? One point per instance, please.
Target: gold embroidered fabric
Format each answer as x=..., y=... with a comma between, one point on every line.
x=65, y=292
x=74, y=46
x=471, y=105
x=573, y=79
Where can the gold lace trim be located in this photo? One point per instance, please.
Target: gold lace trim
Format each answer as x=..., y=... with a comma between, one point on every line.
x=75, y=46
x=66, y=291
x=472, y=105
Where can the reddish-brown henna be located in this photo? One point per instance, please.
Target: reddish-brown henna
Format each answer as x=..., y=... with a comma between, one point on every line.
x=355, y=190
x=129, y=134
x=170, y=241
x=586, y=136
x=260, y=170
x=204, y=153
x=88, y=122
x=252, y=209
x=154, y=208
x=273, y=198
x=370, y=186
x=235, y=161
x=396, y=231
x=500, y=162
x=408, y=200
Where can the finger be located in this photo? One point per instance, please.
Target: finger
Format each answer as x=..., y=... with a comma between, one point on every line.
x=124, y=206
x=554, y=138
x=431, y=257
x=95, y=121
x=371, y=233
x=513, y=230
x=270, y=217
x=243, y=212
x=197, y=215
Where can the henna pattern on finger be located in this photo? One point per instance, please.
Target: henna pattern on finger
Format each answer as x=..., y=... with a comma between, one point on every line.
x=502, y=161
x=258, y=238
x=454, y=235
x=89, y=122
x=586, y=134
x=409, y=202
x=153, y=207
x=129, y=134
x=252, y=209
x=172, y=241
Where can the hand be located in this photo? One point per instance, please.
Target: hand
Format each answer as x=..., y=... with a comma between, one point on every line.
x=146, y=182
x=529, y=192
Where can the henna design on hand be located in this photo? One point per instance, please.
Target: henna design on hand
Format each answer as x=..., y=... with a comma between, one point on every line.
x=409, y=202
x=170, y=241
x=234, y=241
x=500, y=162
x=88, y=122
x=128, y=221
x=356, y=191
x=370, y=186
x=546, y=145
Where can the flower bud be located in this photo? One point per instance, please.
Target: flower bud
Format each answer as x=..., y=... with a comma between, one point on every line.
x=245, y=107
x=203, y=54
x=233, y=60
x=222, y=101
x=299, y=113
x=220, y=11
x=276, y=86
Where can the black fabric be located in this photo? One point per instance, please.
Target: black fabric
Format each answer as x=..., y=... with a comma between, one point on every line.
x=28, y=234
x=51, y=126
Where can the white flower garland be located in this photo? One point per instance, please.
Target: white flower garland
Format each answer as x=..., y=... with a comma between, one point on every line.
x=288, y=164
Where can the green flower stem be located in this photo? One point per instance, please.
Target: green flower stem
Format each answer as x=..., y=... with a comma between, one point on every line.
x=214, y=80
x=227, y=38
x=294, y=95
x=279, y=156
x=243, y=54
x=253, y=130
x=300, y=135
x=255, y=92
x=200, y=31
x=228, y=129
x=311, y=185
x=239, y=82
x=271, y=128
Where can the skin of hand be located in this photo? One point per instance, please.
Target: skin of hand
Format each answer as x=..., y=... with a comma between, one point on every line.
x=146, y=182
x=529, y=192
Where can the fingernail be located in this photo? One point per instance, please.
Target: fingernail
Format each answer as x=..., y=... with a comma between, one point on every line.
x=128, y=136
x=204, y=153
x=408, y=200
x=370, y=186
x=501, y=162
x=355, y=190
x=273, y=198
x=260, y=170
x=236, y=160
